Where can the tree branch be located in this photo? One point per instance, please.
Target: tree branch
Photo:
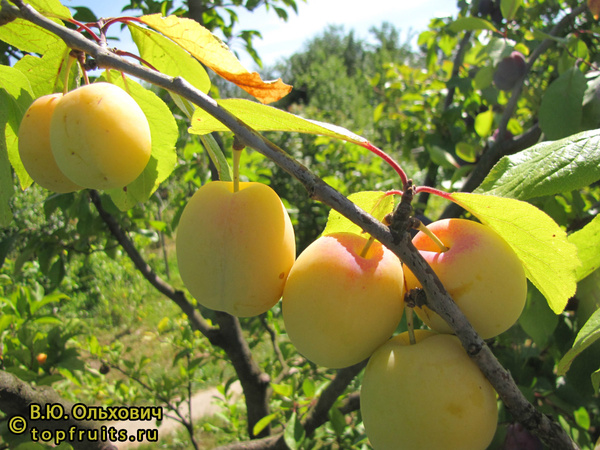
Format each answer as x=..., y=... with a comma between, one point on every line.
x=227, y=336
x=195, y=318
x=317, y=415
x=503, y=147
x=400, y=243
x=16, y=396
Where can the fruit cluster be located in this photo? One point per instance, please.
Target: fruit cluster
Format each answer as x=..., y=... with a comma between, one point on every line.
x=343, y=298
x=95, y=136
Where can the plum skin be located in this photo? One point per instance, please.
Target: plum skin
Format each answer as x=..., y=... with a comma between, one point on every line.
x=34, y=146
x=338, y=306
x=429, y=395
x=480, y=271
x=509, y=70
x=100, y=136
x=235, y=250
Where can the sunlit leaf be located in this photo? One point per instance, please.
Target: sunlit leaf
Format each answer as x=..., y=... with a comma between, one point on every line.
x=263, y=423
x=471, y=24
x=589, y=333
x=549, y=259
x=51, y=8
x=484, y=122
x=587, y=241
x=376, y=203
x=164, y=134
x=168, y=57
x=285, y=390
x=547, y=168
x=266, y=118
x=28, y=37
x=467, y=152
x=212, y=52
x=46, y=73
x=16, y=96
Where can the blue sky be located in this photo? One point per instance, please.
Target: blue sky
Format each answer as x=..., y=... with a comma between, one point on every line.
x=281, y=39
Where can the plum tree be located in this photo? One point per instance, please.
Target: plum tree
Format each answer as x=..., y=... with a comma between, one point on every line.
x=235, y=249
x=342, y=299
x=509, y=70
x=100, y=136
x=34, y=146
x=427, y=395
x=480, y=271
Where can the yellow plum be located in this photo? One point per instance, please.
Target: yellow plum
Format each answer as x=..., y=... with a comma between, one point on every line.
x=426, y=396
x=480, y=271
x=339, y=306
x=34, y=146
x=235, y=249
x=100, y=136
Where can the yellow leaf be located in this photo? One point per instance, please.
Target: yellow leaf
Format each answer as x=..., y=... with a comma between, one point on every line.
x=213, y=52
x=549, y=259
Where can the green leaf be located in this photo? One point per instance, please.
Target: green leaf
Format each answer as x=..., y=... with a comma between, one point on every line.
x=164, y=134
x=15, y=98
x=46, y=74
x=589, y=333
x=168, y=57
x=484, y=77
x=537, y=319
x=218, y=158
x=484, y=122
x=467, y=152
x=337, y=420
x=596, y=380
x=509, y=8
x=376, y=203
x=561, y=109
x=309, y=388
x=547, y=168
x=28, y=37
x=285, y=390
x=587, y=241
x=294, y=433
x=582, y=418
x=266, y=118
x=549, y=259
x=19, y=98
x=471, y=24
x=263, y=423
x=51, y=8
x=441, y=157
